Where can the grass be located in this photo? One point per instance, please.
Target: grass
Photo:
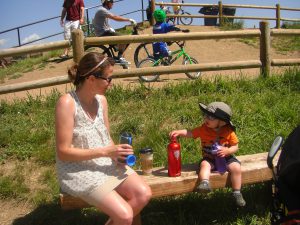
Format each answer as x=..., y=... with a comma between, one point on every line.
x=232, y=25
x=280, y=44
x=263, y=108
x=26, y=65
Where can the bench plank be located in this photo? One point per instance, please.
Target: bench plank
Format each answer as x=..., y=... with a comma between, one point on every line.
x=254, y=170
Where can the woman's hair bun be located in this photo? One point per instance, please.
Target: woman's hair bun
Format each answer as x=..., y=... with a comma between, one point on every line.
x=72, y=73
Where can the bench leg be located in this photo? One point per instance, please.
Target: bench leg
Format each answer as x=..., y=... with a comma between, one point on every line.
x=137, y=220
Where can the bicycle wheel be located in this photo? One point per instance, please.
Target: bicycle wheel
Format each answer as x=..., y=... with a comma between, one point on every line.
x=186, y=20
x=148, y=62
x=100, y=49
x=191, y=75
x=142, y=51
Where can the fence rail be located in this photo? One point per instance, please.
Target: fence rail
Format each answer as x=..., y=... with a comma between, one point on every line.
x=264, y=63
x=221, y=15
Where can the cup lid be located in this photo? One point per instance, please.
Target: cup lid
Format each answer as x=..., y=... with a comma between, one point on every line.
x=146, y=150
x=125, y=134
x=130, y=160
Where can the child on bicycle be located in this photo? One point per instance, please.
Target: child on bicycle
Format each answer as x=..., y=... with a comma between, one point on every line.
x=217, y=128
x=160, y=49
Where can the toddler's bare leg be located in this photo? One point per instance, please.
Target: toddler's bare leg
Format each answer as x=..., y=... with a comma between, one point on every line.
x=204, y=172
x=235, y=175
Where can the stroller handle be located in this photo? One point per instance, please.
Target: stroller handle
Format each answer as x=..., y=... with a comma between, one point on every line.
x=273, y=150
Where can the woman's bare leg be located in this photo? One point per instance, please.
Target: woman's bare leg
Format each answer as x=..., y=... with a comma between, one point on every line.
x=135, y=191
x=119, y=211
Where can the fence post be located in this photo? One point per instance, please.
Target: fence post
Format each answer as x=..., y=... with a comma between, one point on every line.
x=88, y=22
x=278, y=16
x=220, y=13
x=265, y=45
x=152, y=22
x=143, y=10
x=77, y=45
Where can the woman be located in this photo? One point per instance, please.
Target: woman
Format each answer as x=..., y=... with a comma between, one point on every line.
x=87, y=158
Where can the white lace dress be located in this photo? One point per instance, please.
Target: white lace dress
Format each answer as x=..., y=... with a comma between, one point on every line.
x=80, y=178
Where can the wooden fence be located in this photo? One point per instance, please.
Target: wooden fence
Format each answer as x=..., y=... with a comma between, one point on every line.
x=222, y=17
x=265, y=62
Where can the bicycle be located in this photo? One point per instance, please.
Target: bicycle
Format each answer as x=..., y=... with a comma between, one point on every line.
x=112, y=50
x=183, y=20
x=166, y=61
x=142, y=51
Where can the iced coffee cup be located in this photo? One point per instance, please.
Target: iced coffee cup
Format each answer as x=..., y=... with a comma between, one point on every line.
x=146, y=158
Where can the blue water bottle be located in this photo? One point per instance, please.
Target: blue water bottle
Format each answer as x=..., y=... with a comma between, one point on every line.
x=126, y=138
x=220, y=162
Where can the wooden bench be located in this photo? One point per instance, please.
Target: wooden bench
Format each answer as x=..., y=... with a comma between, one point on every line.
x=254, y=170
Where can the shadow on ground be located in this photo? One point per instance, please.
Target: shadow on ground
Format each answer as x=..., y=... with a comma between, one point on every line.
x=189, y=209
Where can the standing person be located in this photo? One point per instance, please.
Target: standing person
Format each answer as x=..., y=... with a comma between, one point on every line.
x=87, y=159
x=217, y=128
x=176, y=10
x=102, y=27
x=73, y=11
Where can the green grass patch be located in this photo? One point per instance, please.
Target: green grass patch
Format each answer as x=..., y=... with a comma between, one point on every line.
x=13, y=186
x=27, y=65
x=280, y=44
x=262, y=108
x=232, y=25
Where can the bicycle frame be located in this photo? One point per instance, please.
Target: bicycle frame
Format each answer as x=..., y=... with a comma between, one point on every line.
x=178, y=53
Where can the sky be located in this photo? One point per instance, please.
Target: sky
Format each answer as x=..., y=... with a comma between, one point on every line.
x=14, y=13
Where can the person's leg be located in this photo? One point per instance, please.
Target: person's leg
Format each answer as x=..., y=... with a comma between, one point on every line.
x=204, y=174
x=205, y=168
x=67, y=36
x=116, y=207
x=236, y=181
x=72, y=25
x=235, y=175
x=135, y=191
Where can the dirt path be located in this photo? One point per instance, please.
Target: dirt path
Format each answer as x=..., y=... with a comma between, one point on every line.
x=203, y=51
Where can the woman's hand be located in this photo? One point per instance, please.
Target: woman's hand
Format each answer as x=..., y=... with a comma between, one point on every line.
x=120, y=152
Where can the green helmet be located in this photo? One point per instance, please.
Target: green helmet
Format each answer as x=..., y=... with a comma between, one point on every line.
x=159, y=15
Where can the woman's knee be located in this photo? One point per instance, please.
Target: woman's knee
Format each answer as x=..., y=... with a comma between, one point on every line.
x=144, y=194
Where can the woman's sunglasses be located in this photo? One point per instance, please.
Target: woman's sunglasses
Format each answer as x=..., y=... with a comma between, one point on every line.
x=108, y=79
x=99, y=76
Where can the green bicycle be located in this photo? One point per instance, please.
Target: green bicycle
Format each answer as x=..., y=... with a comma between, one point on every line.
x=166, y=61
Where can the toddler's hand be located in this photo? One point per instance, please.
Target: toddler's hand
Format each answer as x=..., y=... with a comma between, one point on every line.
x=223, y=151
x=174, y=133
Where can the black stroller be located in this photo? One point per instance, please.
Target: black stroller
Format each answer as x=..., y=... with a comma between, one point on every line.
x=286, y=180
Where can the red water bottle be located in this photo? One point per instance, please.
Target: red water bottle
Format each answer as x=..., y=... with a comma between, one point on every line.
x=174, y=158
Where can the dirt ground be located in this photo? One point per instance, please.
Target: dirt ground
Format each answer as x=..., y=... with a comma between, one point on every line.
x=203, y=51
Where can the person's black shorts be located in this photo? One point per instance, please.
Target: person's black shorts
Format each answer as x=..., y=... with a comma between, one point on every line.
x=229, y=159
x=110, y=33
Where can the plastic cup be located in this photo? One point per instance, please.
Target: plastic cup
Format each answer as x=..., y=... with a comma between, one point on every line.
x=146, y=158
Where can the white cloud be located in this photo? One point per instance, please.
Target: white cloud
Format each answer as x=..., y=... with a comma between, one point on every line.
x=30, y=38
x=3, y=41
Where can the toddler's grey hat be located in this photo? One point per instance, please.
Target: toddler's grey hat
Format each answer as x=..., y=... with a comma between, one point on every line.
x=219, y=110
